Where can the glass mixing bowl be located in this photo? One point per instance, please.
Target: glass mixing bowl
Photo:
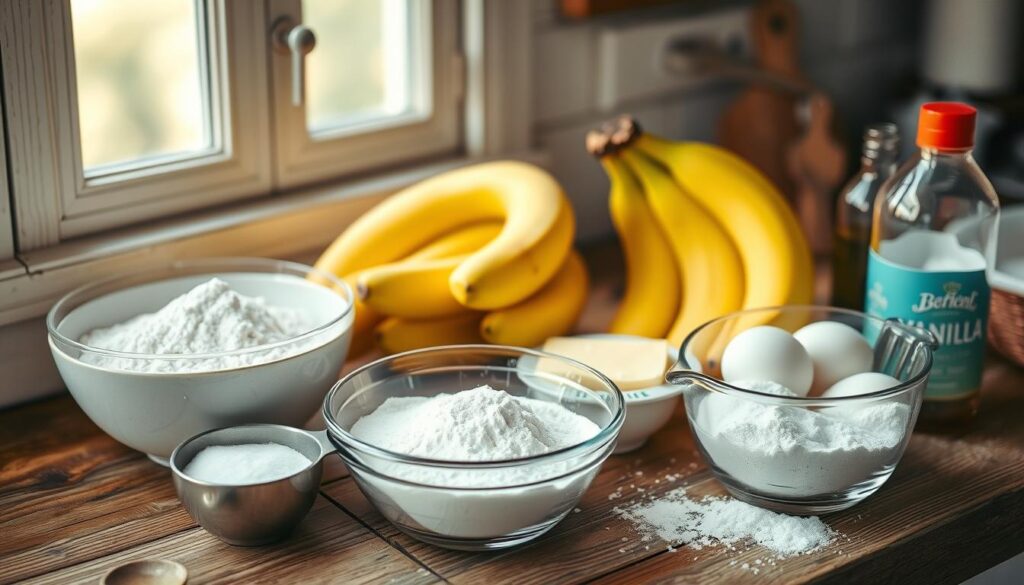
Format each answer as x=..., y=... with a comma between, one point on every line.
x=474, y=505
x=803, y=455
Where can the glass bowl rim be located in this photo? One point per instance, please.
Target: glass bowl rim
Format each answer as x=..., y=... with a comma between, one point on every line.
x=927, y=338
x=606, y=433
x=72, y=299
x=584, y=466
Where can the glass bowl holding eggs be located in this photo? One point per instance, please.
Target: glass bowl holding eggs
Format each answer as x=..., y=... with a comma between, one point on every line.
x=803, y=409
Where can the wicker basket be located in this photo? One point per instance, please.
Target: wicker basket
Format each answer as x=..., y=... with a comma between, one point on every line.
x=1006, y=316
x=1006, y=324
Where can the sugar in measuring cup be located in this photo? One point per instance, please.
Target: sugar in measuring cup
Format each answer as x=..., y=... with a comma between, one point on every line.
x=252, y=513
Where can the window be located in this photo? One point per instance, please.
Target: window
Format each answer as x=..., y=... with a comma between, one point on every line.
x=146, y=86
x=381, y=85
x=120, y=111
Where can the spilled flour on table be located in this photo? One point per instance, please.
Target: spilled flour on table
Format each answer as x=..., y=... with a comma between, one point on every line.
x=676, y=518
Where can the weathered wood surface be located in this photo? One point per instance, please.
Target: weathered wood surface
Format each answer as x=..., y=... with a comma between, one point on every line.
x=954, y=507
x=74, y=503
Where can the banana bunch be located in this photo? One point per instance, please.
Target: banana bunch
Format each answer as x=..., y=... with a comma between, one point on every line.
x=478, y=254
x=703, y=234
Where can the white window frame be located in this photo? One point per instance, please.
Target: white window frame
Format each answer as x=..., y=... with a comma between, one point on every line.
x=55, y=200
x=303, y=159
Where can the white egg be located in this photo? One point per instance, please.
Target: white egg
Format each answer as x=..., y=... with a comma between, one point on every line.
x=863, y=383
x=768, y=353
x=837, y=350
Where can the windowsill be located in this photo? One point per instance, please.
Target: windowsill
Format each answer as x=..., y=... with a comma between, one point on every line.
x=280, y=225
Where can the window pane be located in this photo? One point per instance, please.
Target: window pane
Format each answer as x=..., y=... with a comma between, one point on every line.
x=368, y=61
x=141, y=91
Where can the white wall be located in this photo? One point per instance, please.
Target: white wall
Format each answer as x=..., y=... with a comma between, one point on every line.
x=857, y=50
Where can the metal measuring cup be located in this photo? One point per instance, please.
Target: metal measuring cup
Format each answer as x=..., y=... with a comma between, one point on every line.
x=252, y=514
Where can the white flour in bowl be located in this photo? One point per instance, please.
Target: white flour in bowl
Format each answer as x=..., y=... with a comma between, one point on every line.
x=476, y=425
x=245, y=464
x=210, y=318
x=482, y=424
x=793, y=451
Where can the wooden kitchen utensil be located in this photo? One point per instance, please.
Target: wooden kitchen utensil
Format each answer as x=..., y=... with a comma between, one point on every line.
x=817, y=164
x=761, y=124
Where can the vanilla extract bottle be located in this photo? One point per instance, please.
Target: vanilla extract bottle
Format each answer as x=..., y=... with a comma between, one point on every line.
x=932, y=240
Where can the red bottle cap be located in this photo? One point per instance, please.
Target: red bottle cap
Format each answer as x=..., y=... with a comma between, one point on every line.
x=946, y=126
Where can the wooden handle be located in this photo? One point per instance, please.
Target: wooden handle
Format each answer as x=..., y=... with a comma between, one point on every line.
x=776, y=30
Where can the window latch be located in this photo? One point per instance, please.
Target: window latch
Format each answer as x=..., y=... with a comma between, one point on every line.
x=298, y=41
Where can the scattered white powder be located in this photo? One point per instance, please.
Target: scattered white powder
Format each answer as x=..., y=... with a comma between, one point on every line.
x=793, y=451
x=677, y=519
x=245, y=464
x=209, y=318
x=482, y=424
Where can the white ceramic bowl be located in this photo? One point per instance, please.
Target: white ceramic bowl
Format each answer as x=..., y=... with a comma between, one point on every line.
x=153, y=411
x=647, y=409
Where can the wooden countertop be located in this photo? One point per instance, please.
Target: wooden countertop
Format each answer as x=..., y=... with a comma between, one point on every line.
x=74, y=503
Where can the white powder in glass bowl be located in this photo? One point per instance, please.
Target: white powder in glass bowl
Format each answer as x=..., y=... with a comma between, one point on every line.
x=794, y=451
x=482, y=424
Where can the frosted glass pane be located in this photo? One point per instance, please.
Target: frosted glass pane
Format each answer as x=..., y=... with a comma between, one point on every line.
x=140, y=84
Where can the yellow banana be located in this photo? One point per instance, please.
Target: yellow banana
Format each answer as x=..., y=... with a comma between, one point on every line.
x=536, y=235
x=712, y=281
x=461, y=241
x=411, y=289
x=396, y=335
x=417, y=287
x=552, y=311
x=508, y=270
x=651, y=301
x=776, y=259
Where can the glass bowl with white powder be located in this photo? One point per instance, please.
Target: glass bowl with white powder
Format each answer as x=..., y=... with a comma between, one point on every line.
x=456, y=446
x=159, y=355
x=803, y=454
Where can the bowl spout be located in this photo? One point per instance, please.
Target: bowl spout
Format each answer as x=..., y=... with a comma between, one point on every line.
x=682, y=376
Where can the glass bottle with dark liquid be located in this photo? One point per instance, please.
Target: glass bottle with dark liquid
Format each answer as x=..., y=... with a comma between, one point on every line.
x=853, y=214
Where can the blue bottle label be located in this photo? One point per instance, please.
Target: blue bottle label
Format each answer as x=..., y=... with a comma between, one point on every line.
x=951, y=305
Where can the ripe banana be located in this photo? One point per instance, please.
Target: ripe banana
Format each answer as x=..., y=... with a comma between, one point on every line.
x=776, y=259
x=536, y=235
x=417, y=287
x=552, y=311
x=396, y=335
x=411, y=289
x=711, y=273
x=651, y=301
x=510, y=269
x=461, y=241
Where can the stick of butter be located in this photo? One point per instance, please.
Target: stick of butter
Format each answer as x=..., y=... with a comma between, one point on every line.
x=632, y=364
